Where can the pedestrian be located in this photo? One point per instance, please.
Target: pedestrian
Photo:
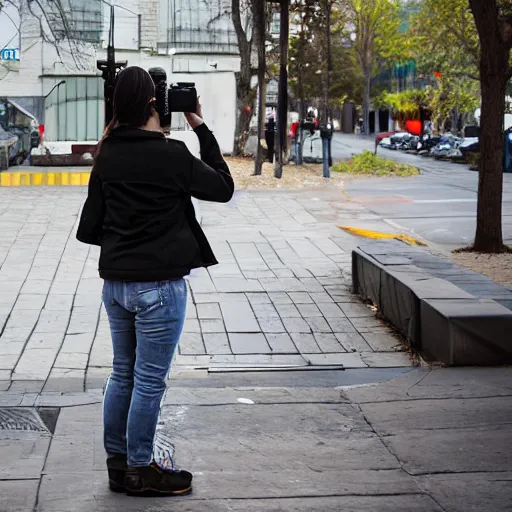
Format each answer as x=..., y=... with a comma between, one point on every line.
x=139, y=210
x=270, y=133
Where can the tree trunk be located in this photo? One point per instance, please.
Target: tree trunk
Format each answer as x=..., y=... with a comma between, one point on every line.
x=246, y=97
x=366, y=102
x=494, y=70
x=489, y=237
x=260, y=28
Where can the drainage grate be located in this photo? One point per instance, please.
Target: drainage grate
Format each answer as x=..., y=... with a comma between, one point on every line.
x=21, y=419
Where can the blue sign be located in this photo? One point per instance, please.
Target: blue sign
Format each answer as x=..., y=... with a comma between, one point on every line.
x=10, y=54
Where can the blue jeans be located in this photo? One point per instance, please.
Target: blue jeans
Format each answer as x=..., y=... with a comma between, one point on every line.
x=146, y=320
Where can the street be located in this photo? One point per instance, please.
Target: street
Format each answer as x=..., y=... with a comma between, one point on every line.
x=438, y=206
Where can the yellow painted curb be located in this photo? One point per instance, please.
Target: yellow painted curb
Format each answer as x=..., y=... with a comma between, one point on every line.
x=377, y=235
x=46, y=179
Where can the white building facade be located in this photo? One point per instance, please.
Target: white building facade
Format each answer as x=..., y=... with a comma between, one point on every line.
x=55, y=75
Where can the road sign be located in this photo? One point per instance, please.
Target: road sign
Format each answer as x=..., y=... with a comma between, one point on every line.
x=10, y=54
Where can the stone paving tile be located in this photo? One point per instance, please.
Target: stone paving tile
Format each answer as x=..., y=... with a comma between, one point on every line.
x=296, y=325
x=65, y=380
x=212, y=326
x=305, y=343
x=30, y=301
x=382, y=342
x=234, y=284
x=348, y=360
x=191, y=343
x=330, y=310
x=216, y=343
x=309, y=310
x=318, y=324
x=56, y=302
x=280, y=298
x=353, y=342
x=265, y=311
x=328, y=343
x=239, y=317
x=288, y=311
x=258, y=298
x=52, y=321
x=271, y=325
x=209, y=311
x=386, y=360
x=356, y=310
x=35, y=364
x=245, y=343
x=281, y=343
x=45, y=340
x=191, y=325
x=77, y=343
x=72, y=360
x=321, y=298
x=301, y=298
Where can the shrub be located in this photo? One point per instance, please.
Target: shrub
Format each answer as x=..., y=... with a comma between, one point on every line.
x=368, y=163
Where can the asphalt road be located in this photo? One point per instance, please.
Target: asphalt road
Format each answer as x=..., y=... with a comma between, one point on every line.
x=439, y=205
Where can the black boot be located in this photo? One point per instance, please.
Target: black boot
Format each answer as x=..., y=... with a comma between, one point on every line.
x=116, y=472
x=152, y=479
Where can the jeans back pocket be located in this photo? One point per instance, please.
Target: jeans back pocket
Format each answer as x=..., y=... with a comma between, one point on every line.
x=148, y=296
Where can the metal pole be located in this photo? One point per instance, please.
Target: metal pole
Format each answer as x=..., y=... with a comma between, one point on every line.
x=325, y=154
x=282, y=100
x=260, y=26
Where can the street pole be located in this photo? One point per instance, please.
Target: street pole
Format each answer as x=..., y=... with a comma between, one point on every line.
x=110, y=69
x=260, y=26
x=282, y=96
x=326, y=130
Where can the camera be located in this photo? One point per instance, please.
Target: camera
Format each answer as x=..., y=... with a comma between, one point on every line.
x=179, y=97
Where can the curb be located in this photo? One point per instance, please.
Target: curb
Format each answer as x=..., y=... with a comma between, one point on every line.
x=45, y=179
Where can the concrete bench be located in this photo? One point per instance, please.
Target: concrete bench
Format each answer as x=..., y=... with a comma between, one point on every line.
x=414, y=291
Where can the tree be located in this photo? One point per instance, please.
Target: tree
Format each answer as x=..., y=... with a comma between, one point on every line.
x=242, y=15
x=376, y=26
x=307, y=70
x=493, y=21
x=445, y=39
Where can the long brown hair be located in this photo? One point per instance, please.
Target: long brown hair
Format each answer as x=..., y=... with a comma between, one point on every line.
x=133, y=105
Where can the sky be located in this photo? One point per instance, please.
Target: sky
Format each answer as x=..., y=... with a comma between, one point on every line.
x=9, y=21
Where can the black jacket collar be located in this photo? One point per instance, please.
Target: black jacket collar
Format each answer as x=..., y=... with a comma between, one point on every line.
x=130, y=133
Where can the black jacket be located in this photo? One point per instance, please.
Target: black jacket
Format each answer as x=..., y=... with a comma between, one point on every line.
x=139, y=207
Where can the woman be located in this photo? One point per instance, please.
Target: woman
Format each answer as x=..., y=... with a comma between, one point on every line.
x=139, y=210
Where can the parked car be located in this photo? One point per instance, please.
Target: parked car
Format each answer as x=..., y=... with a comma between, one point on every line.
x=20, y=132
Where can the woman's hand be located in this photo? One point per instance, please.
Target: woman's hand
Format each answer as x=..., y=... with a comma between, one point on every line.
x=195, y=119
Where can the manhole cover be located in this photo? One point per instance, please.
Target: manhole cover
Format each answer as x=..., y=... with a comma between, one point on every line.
x=21, y=419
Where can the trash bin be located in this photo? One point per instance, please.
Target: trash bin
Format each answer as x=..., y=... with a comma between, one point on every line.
x=508, y=151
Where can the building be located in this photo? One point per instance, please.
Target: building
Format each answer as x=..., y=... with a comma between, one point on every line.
x=57, y=43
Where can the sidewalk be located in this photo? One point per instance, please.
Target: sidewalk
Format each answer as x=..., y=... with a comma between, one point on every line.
x=426, y=441
x=341, y=419
x=280, y=298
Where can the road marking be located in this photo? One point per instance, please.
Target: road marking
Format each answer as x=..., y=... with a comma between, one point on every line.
x=48, y=179
x=377, y=235
x=445, y=200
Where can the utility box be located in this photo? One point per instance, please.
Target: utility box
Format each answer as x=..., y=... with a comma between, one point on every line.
x=508, y=151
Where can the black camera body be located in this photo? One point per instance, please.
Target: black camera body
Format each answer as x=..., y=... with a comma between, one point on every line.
x=179, y=97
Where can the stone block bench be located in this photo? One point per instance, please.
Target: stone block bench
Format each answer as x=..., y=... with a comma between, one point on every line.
x=447, y=312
